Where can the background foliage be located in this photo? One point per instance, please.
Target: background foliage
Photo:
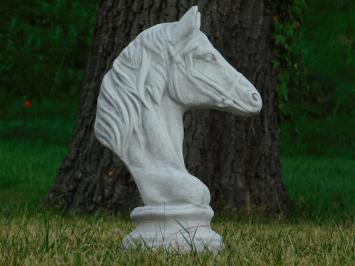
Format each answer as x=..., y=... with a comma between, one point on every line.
x=314, y=55
x=44, y=46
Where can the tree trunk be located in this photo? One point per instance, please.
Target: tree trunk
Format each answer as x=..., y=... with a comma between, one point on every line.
x=236, y=157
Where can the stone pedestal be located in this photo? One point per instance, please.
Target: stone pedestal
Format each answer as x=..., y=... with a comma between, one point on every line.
x=178, y=227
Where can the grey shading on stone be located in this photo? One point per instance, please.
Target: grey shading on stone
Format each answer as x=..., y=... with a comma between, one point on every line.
x=167, y=70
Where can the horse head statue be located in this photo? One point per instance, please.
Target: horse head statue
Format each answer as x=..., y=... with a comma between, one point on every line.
x=168, y=69
x=201, y=77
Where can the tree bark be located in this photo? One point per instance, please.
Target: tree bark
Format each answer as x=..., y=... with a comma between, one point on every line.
x=236, y=157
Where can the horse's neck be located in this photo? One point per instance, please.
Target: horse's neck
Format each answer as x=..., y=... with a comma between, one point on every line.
x=158, y=142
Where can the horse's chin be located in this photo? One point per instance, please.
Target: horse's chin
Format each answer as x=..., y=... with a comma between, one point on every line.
x=243, y=113
x=238, y=109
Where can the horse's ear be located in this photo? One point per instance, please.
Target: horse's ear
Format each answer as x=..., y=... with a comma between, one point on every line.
x=189, y=23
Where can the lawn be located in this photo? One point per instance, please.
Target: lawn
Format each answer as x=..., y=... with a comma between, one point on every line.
x=32, y=144
x=320, y=230
x=48, y=239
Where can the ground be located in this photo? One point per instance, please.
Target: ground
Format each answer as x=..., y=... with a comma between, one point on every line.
x=48, y=239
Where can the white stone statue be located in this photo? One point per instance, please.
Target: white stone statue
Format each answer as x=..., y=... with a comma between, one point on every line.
x=168, y=69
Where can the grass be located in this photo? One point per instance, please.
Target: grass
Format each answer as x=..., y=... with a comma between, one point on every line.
x=42, y=238
x=33, y=142
x=322, y=188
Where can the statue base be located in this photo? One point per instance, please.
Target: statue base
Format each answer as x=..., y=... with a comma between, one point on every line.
x=179, y=228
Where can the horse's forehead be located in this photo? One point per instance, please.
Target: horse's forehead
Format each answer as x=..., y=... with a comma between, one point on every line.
x=204, y=43
x=199, y=42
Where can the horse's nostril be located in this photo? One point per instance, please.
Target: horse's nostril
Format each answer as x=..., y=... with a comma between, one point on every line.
x=255, y=97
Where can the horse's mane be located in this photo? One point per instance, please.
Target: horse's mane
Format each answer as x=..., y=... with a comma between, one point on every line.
x=127, y=88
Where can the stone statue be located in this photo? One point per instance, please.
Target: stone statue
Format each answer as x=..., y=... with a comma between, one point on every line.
x=168, y=69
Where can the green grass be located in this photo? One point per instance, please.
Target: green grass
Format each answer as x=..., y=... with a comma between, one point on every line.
x=33, y=142
x=321, y=187
x=47, y=239
x=27, y=171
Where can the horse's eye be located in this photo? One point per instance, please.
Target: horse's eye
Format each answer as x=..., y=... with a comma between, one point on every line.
x=209, y=57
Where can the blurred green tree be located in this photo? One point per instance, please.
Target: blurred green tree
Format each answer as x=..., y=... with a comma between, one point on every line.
x=44, y=46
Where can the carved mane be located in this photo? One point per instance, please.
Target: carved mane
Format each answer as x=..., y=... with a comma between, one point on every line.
x=127, y=88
